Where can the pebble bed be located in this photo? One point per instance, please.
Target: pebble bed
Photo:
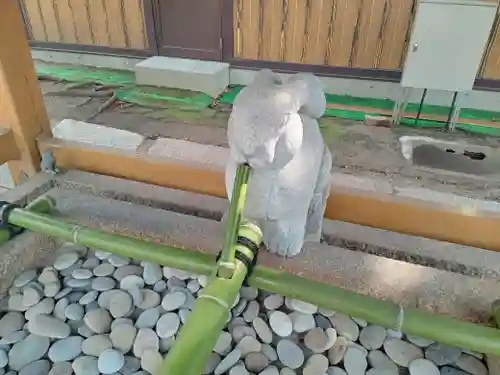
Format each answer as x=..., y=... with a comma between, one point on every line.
x=96, y=313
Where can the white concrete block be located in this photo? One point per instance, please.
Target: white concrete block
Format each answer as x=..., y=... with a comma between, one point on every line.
x=96, y=135
x=210, y=77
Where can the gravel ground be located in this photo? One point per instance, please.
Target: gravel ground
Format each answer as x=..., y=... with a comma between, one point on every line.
x=95, y=313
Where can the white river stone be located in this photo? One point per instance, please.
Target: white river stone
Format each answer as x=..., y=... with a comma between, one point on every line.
x=98, y=320
x=48, y=326
x=66, y=349
x=30, y=349
x=110, y=361
x=146, y=338
x=168, y=325
x=280, y=323
x=402, y=352
x=10, y=322
x=65, y=260
x=123, y=337
x=96, y=344
x=290, y=354
x=85, y=365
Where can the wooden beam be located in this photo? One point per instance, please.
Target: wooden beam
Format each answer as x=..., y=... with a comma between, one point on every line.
x=21, y=103
x=404, y=215
x=8, y=148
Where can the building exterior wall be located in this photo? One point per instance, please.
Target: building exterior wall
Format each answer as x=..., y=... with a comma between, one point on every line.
x=344, y=38
x=103, y=23
x=359, y=34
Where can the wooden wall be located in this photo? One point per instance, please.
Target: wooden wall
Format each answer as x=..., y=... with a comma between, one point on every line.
x=113, y=23
x=371, y=34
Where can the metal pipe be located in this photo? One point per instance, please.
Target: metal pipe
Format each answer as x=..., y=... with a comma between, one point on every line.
x=419, y=112
x=450, y=112
x=385, y=313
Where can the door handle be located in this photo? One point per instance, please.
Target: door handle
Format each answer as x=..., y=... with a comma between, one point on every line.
x=415, y=47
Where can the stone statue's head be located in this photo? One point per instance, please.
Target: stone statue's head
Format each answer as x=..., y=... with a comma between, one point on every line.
x=266, y=125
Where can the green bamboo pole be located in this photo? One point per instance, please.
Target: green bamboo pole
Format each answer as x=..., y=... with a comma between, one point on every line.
x=226, y=265
x=125, y=246
x=199, y=335
x=495, y=306
x=43, y=204
x=440, y=328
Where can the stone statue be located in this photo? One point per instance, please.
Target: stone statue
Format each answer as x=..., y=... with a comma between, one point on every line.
x=273, y=127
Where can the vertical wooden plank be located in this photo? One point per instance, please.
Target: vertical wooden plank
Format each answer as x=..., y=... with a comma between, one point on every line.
x=317, y=32
x=21, y=105
x=250, y=29
x=35, y=19
x=368, y=38
x=394, y=35
x=134, y=19
x=117, y=32
x=50, y=21
x=294, y=30
x=492, y=59
x=81, y=19
x=99, y=22
x=343, y=30
x=236, y=28
x=66, y=21
x=272, y=25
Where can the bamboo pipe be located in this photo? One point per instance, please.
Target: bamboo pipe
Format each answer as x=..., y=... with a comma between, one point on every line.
x=194, y=344
x=43, y=204
x=226, y=263
x=385, y=313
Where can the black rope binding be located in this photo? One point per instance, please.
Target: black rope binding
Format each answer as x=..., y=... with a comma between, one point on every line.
x=5, y=210
x=243, y=258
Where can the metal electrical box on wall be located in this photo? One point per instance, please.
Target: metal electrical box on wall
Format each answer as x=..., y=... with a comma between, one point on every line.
x=447, y=43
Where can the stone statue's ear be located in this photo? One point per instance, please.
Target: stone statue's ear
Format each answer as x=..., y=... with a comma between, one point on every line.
x=314, y=104
x=266, y=77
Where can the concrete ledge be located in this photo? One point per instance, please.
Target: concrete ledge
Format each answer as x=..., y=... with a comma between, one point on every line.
x=442, y=255
x=143, y=194
x=209, y=77
x=471, y=261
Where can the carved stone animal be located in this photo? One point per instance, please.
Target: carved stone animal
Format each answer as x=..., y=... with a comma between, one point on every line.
x=273, y=127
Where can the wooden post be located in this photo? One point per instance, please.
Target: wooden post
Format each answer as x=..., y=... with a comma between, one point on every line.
x=21, y=103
